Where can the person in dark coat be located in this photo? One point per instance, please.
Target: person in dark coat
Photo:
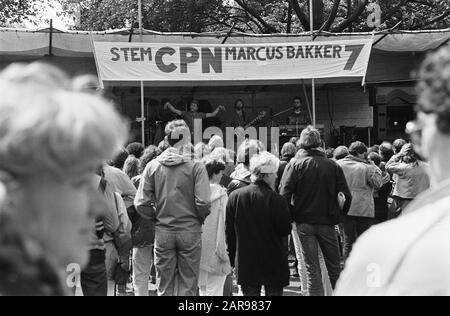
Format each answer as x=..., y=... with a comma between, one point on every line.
x=257, y=221
x=287, y=153
x=313, y=183
x=238, y=116
x=381, y=196
x=241, y=176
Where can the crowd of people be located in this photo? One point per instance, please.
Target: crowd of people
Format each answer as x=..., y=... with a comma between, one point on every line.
x=194, y=219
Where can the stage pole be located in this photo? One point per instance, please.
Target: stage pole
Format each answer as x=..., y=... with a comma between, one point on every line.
x=313, y=83
x=140, y=19
x=142, y=113
x=142, y=82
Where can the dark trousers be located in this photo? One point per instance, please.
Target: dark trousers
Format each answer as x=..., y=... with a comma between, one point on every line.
x=354, y=226
x=93, y=279
x=255, y=290
x=228, y=286
x=311, y=238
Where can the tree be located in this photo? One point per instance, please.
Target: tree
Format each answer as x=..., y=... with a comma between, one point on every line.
x=106, y=14
x=350, y=15
x=158, y=15
x=14, y=11
x=32, y=13
x=253, y=16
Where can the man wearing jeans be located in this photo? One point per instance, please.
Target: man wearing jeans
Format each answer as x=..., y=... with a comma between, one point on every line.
x=311, y=183
x=363, y=178
x=174, y=190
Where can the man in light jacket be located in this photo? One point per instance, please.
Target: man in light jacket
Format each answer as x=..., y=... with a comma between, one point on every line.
x=174, y=191
x=412, y=177
x=363, y=178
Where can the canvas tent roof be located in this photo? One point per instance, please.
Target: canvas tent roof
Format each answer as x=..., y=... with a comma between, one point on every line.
x=78, y=44
x=20, y=44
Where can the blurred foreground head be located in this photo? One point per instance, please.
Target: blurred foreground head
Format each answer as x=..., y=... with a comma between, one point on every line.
x=53, y=125
x=54, y=133
x=430, y=133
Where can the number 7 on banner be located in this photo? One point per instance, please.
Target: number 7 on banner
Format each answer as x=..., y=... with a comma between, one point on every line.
x=356, y=51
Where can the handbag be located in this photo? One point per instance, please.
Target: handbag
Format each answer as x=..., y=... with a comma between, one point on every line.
x=121, y=276
x=394, y=208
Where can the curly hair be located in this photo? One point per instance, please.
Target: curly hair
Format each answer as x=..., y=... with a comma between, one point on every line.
x=119, y=160
x=309, y=138
x=177, y=133
x=434, y=87
x=408, y=155
x=213, y=166
x=136, y=149
x=398, y=145
x=150, y=153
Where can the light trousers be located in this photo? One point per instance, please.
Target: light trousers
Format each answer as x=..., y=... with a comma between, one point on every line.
x=142, y=265
x=214, y=284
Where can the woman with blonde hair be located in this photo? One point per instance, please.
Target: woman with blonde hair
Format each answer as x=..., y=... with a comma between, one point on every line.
x=51, y=143
x=214, y=263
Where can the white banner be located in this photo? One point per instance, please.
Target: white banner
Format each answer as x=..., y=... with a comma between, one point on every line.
x=199, y=62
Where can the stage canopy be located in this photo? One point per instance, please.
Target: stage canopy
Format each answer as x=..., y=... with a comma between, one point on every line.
x=30, y=44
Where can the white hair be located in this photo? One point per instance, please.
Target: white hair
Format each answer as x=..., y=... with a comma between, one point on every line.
x=263, y=164
x=201, y=150
x=248, y=149
x=47, y=126
x=215, y=142
x=223, y=154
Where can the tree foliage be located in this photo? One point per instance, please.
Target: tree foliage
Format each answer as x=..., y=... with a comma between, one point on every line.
x=15, y=11
x=33, y=13
x=253, y=16
x=345, y=15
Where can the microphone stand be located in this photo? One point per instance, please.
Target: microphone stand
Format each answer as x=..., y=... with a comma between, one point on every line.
x=280, y=113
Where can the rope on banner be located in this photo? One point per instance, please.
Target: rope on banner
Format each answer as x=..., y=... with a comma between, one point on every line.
x=99, y=76
x=365, y=75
